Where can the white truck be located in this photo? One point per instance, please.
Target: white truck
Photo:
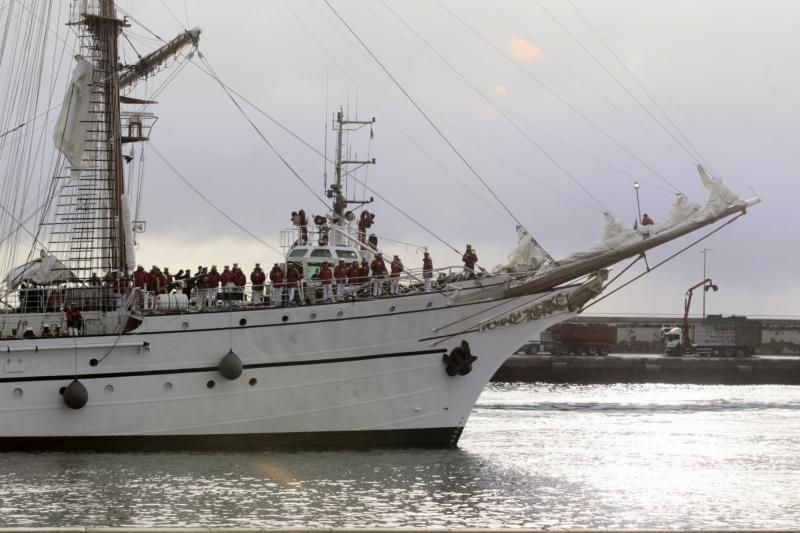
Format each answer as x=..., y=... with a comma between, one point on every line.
x=715, y=335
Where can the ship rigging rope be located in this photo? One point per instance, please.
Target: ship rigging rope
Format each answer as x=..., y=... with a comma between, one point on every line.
x=308, y=145
x=209, y=72
x=426, y=117
x=670, y=258
x=258, y=131
x=212, y=204
x=389, y=203
x=506, y=116
x=556, y=95
x=397, y=126
x=409, y=217
x=692, y=157
x=621, y=110
x=26, y=87
x=640, y=85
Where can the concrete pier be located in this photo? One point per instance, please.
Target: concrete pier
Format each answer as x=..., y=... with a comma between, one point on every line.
x=654, y=369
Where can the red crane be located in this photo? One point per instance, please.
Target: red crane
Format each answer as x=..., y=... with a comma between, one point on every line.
x=687, y=302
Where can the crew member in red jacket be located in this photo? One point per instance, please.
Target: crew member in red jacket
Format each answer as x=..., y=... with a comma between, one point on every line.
x=363, y=272
x=257, y=278
x=353, y=275
x=140, y=282
x=214, y=278
x=293, y=278
x=326, y=278
x=340, y=274
x=276, y=277
x=74, y=321
x=202, y=287
x=239, y=282
x=427, y=271
x=120, y=284
x=397, y=268
x=226, y=279
x=168, y=277
x=469, y=258
x=140, y=278
x=378, y=273
x=365, y=221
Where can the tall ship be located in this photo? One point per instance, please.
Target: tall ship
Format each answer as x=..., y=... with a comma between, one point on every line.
x=98, y=355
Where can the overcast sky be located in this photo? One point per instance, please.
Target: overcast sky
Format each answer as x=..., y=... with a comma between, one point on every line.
x=724, y=72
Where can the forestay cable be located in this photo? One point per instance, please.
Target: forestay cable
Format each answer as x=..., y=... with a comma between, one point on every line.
x=499, y=111
x=639, y=84
x=260, y=134
x=692, y=157
x=425, y=116
x=212, y=204
x=557, y=96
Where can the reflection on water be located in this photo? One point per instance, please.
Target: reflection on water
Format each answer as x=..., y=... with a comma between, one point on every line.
x=533, y=455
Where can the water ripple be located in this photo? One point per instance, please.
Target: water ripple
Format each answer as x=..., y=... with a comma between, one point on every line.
x=539, y=456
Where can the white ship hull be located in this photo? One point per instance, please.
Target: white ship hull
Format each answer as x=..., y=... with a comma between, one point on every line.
x=367, y=373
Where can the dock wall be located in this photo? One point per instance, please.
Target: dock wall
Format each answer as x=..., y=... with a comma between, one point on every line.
x=611, y=369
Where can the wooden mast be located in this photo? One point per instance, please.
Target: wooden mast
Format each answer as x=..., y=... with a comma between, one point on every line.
x=115, y=172
x=105, y=28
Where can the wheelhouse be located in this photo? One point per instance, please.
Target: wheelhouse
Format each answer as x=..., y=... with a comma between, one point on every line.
x=311, y=258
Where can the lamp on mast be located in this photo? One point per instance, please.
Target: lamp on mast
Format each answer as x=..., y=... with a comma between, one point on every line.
x=638, y=207
x=705, y=251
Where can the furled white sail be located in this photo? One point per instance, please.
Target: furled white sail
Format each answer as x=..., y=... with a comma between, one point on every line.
x=70, y=129
x=525, y=257
x=127, y=228
x=617, y=234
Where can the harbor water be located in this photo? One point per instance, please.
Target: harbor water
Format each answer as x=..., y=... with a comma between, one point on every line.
x=533, y=455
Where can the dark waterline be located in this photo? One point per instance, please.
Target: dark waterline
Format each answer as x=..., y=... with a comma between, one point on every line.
x=608, y=456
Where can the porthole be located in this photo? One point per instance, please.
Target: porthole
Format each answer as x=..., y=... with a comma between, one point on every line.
x=93, y=362
x=285, y=318
x=312, y=316
x=185, y=324
x=108, y=389
x=253, y=381
x=429, y=305
x=17, y=393
x=167, y=386
x=242, y=321
x=340, y=314
x=210, y=384
x=392, y=308
x=61, y=390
